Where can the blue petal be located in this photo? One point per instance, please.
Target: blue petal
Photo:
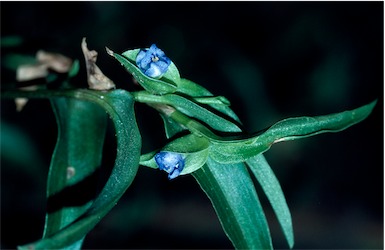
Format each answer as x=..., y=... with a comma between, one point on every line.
x=145, y=62
x=172, y=163
x=155, y=50
x=166, y=60
x=174, y=174
x=154, y=71
x=163, y=66
x=143, y=59
x=140, y=56
x=153, y=68
x=160, y=53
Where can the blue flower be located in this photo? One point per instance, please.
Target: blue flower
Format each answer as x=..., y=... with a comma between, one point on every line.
x=153, y=62
x=172, y=163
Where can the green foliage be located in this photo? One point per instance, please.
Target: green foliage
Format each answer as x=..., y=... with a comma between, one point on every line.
x=235, y=200
x=270, y=185
x=67, y=227
x=71, y=184
x=200, y=126
x=228, y=151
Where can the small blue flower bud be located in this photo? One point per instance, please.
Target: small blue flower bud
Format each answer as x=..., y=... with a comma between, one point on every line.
x=153, y=62
x=172, y=163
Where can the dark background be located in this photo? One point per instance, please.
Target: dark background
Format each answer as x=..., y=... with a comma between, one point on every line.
x=272, y=60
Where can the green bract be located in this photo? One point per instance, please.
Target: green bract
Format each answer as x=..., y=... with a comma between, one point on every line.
x=171, y=75
x=167, y=84
x=193, y=148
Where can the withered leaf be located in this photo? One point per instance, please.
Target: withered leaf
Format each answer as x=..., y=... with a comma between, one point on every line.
x=29, y=72
x=22, y=101
x=54, y=61
x=44, y=61
x=95, y=77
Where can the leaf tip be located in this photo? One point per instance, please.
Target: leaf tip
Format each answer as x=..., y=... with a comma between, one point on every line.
x=110, y=52
x=95, y=77
x=26, y=247
x=373, y=104
x=290, y=241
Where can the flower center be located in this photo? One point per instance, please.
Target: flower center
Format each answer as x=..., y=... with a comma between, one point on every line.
x=155, y=59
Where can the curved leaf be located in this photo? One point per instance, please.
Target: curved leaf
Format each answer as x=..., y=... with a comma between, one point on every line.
x=119, y=105
x=230, y=151
x=192, y=89
x=236, y=203
x=170, y=126
x=72, y=176
x=189, y=108
x=131, y=55
x=273, y=191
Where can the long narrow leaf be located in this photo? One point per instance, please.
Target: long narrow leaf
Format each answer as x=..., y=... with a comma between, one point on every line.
x=190, y=108
x=119, y=105
x=229, y=151
x=270, y=185
x=72, y=177
x=192, y=89
x=170, y=126
x=236, y=203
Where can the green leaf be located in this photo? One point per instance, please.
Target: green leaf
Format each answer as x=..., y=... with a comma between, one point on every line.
x=271, y=187
x=147, y=160
x=194, y=110
x=155, y=86
x=190, y=108
x=239, y=150
x=74, y=69
x=119, y=105
x=77, y=157
x=236, y=203
x=217, y=100
x=13, y=61
x=295, y=128
x=131, y=55
x=10, y=41
x=171, y=127
x=192, y=89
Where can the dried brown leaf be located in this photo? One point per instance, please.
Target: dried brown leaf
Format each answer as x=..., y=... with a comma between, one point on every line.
x=29, y=72
x=21, y=101
x=54, y=61
x=95, y=77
